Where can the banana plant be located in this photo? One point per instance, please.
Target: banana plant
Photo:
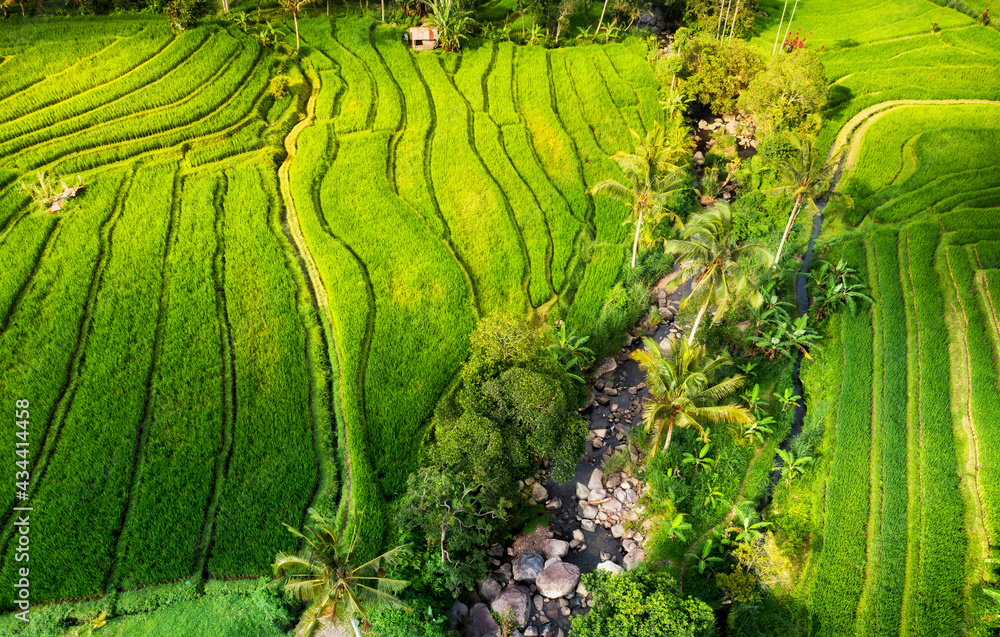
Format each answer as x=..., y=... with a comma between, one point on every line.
x=788, y=399
x=701, y=459
x=792, y=467
x=569, y=350
x=713, y=497
x=676, y=527
x=705, y=559
x=837, y=286
x=748, y=533
x=753, y=400
x=754, y=432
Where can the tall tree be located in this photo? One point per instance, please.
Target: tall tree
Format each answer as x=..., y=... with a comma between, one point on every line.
x=293, y=7
x=324, y=574
x=710, y=253
x=685, y=390
x=653, y=178
x=807, y=176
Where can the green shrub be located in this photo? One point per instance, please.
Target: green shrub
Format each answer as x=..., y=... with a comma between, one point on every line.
x=718, y=73
x=641, y=603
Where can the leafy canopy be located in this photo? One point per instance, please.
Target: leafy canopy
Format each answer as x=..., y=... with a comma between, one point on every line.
x=641, y=603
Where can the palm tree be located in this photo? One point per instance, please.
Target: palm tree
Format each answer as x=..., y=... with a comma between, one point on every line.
x=653, y=179
x=324, y=575
x=684, y=390
x=807, y=177
x=451, y=22
x=293, y=7
x=710, y=254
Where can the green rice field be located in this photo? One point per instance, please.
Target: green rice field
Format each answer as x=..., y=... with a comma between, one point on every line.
x=257, y=302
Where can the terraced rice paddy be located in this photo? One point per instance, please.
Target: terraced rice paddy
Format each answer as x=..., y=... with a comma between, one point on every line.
x=435, y=190
x=212, y=342
x=898, y=548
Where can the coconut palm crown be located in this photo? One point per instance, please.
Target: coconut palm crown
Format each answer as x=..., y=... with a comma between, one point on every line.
x=806, y=176
x=653, y=179
x=685, y=390
x=710, y=253
x=324, y=575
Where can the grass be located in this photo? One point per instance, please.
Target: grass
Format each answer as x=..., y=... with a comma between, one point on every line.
x=841, y=567
x=182, y=371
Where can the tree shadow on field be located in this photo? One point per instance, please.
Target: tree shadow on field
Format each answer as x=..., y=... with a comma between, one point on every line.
x=837, y=99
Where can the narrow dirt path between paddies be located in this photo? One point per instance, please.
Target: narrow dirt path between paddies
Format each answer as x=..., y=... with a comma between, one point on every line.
x=853, y=132
x=315, y=281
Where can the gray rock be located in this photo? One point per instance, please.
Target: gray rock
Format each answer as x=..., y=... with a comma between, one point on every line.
x=588, y=511
x=612, y=505
x=597, y=494
x=556, y=548
x=702, y=124
x=552, y=560
x=530, y=631
x=617, y=531
x=613, y=480
x=633, y=558
x=539, y=493
x=732, y=127
x=514, y=600
x=578, y=535
x=699, y=157
x=606, y=366
x=582, y=492
x=554, y=503
x=458, y=613
x=588, y=525
x=558, y=580
x=610, y=391
x=539, y=601
x=489, y=588
x=482, y=623
x=495, y=551
x=610, y=567
x=527, y=566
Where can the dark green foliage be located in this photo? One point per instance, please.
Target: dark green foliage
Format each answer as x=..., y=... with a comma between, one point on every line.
x=449, y=517
x=768, y=616
x=641, y=603
x=704, y=16
x=789, y=92
x=517, y=406
x=718, y=73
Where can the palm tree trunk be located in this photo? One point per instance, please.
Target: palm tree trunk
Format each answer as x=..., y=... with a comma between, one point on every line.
x=599, y=22
x=635, y=242
x=354, y=624
x=791, y=18
x=718, y=27
x=383, y=10
x=670, y=433
x=725, y=23
x=701, y=313
x=295, y=16
x=732, y=29
x=777, y=35
x=788, y=228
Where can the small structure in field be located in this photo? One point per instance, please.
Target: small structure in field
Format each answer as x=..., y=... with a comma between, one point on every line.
x=58, y=200
x=422, y=38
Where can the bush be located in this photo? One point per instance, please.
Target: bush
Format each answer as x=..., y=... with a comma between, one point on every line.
x=279, y=86
x=641, y=603
x=787, y=92
x=718, y=73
